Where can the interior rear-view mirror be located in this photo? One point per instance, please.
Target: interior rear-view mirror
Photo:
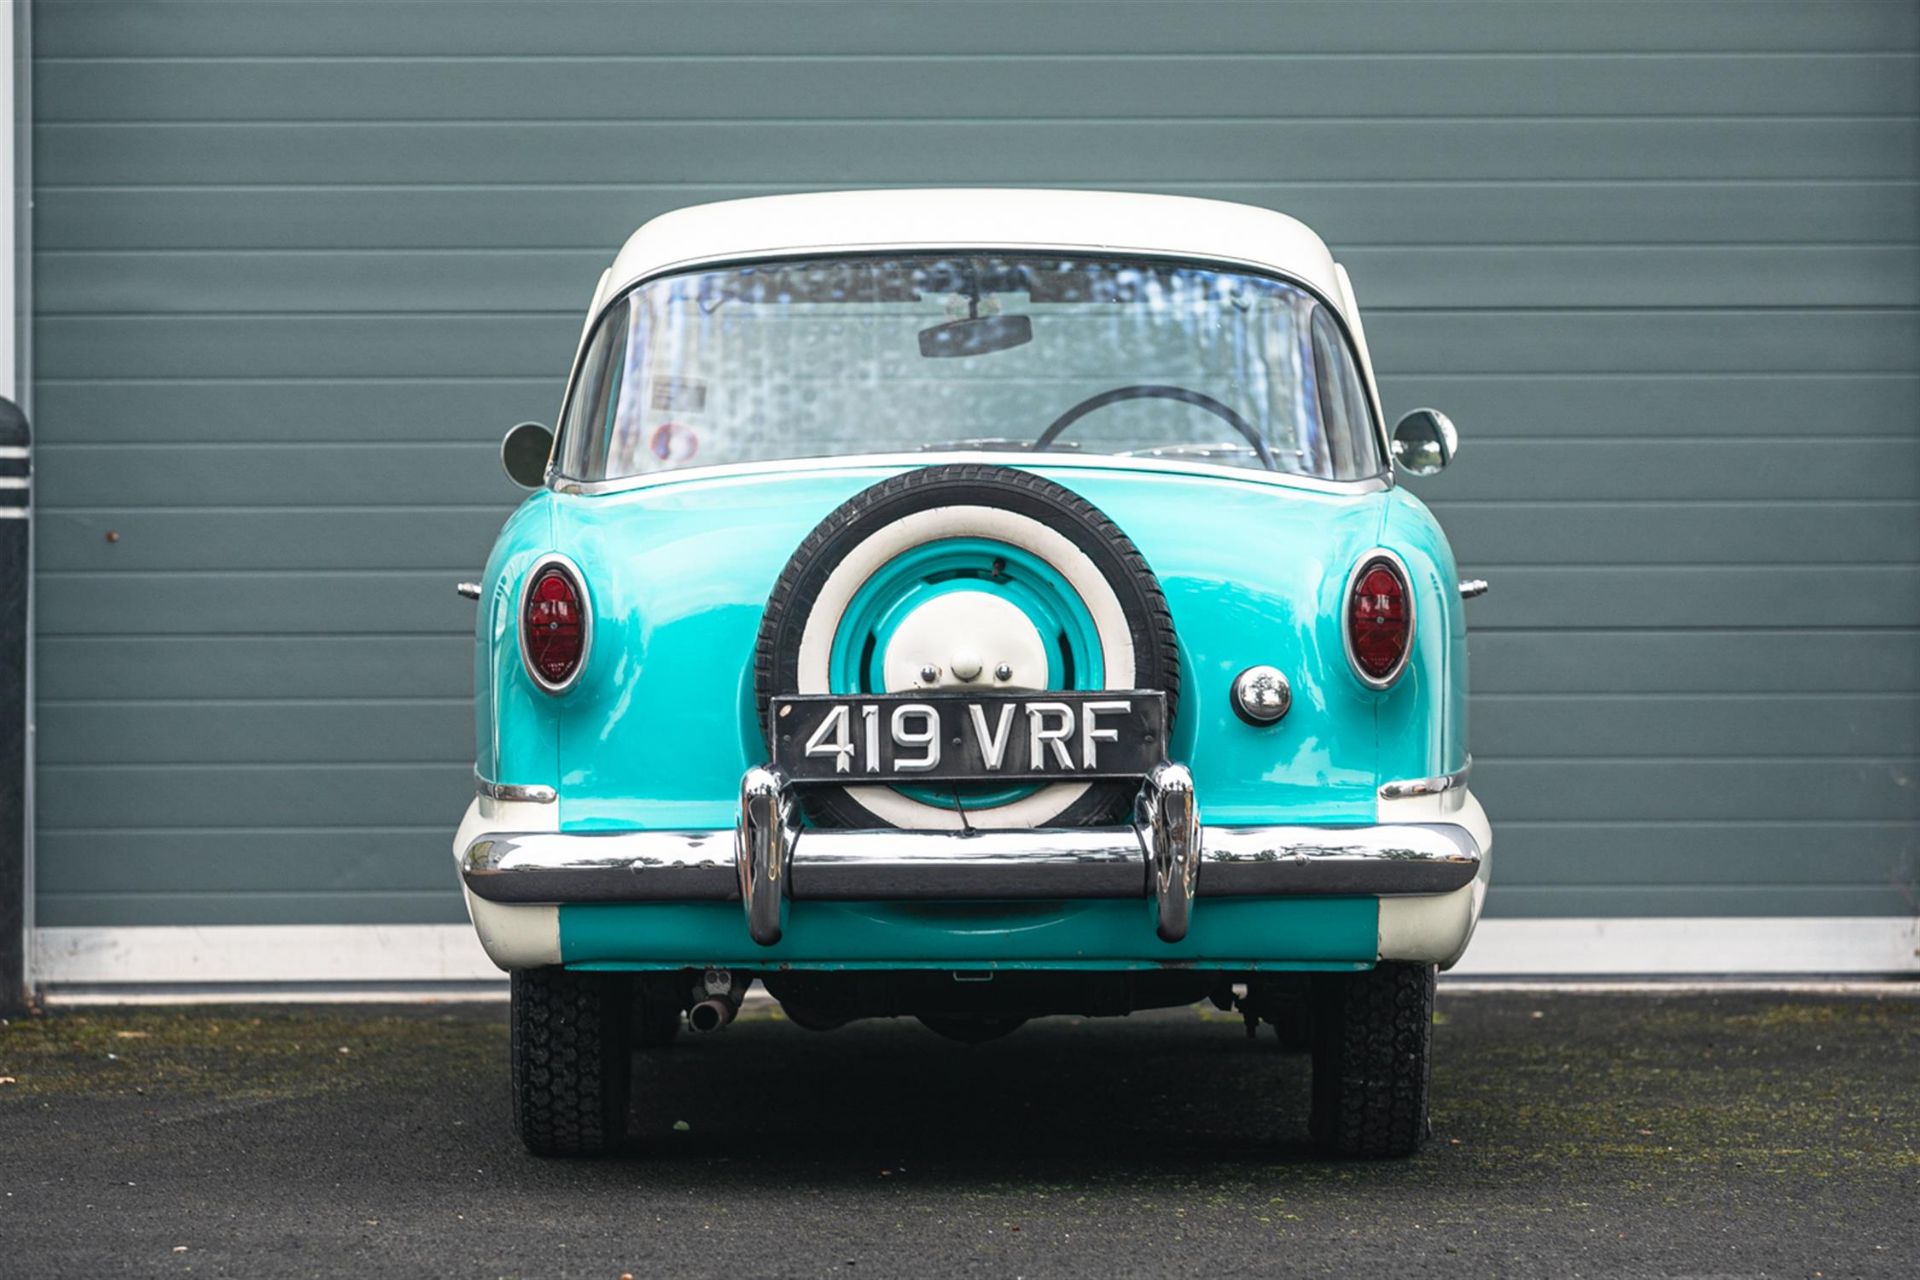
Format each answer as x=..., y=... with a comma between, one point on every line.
x=979, y=336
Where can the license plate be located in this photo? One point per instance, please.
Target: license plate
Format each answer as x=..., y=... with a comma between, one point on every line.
x=961, y=737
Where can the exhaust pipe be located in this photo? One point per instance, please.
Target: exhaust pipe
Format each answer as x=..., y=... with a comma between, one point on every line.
x=710, y=1014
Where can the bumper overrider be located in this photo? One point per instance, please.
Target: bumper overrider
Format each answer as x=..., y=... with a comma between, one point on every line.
x=1167, y=854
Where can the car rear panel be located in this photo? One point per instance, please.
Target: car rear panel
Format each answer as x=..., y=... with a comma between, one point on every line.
x=661, y=724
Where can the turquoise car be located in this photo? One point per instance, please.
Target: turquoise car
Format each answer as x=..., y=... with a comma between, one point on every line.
x=972, y=606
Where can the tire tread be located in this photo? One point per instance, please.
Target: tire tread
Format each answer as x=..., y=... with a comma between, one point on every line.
x=571, y=1036
x=1372, y=1060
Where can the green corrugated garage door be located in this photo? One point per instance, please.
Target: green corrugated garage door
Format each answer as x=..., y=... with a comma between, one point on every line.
x=299, y=264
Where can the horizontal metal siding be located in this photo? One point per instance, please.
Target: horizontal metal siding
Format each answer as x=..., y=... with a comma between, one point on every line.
x=298, y=265
x=218, y=28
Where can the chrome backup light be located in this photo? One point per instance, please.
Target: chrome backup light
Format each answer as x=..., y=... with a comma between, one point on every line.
x=1261, y=695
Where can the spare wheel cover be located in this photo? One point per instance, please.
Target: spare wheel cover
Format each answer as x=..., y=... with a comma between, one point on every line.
x=909, y=550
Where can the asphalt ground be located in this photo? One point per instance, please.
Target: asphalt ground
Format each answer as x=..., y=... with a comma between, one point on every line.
x=1574, y=1135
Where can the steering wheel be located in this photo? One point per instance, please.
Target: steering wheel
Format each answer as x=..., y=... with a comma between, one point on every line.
x=1149, y=391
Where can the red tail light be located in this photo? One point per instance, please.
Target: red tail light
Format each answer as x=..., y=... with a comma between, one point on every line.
x=553, y=626
x=1379, y=621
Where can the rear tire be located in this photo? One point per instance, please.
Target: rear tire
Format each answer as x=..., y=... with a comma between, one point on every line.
x=1372, y=1060
x=572, y=1037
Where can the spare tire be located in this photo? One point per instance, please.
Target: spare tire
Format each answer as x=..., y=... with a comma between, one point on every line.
x=1044, y=586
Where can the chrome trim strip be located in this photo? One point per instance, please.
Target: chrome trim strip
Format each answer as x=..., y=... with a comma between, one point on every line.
x=572, y=570
x=1091, y=862
x=928, y=248
x=1010, y=458
x=1360, y=566
x=535, y=794
x=1408, y=788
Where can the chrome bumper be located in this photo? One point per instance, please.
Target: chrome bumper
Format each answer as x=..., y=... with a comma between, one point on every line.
x=1166, y=855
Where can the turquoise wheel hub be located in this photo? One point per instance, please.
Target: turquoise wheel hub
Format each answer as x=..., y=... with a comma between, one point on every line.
x=936, y=571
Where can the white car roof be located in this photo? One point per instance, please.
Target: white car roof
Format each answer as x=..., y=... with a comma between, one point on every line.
x=1115, y=222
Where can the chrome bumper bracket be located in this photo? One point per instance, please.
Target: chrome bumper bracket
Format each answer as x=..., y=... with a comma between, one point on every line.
x=1169, y=824
x=763, y=850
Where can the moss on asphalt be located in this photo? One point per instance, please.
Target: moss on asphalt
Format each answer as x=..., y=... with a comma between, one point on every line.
x=1783, y=1084
x=1589, y=1134
x=252, y=1053
x=1786, y=1085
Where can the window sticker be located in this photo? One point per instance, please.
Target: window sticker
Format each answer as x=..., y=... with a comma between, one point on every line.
x=688, y=395
x=672, y=442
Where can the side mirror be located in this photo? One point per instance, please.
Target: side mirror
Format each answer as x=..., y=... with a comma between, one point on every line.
x=1424, y=442
x=524, y=454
